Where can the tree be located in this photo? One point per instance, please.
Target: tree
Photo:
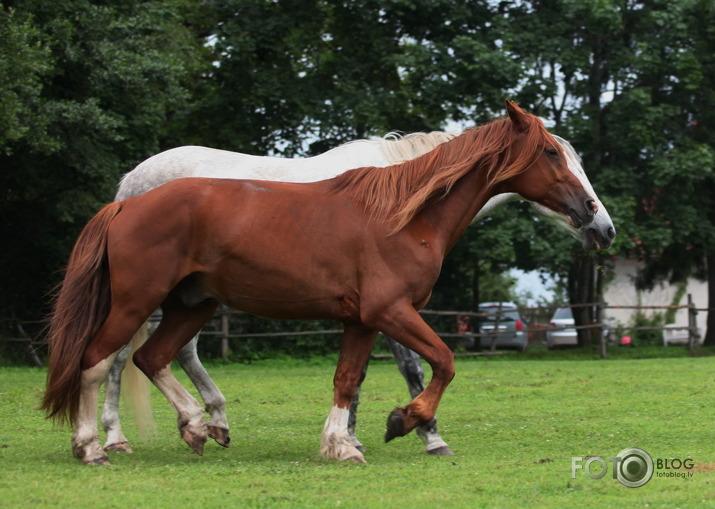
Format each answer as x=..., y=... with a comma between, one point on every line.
x=90, y=86
x=324, y=72
x=23, y=64
x=652, y=129
x=679, y=78
x=300, y=78
x=568, y=50
x=622, y=81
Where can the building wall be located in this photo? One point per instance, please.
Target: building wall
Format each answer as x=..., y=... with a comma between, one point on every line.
x=620, y=290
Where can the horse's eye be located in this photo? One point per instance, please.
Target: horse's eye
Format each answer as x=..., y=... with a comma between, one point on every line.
x=551, y=152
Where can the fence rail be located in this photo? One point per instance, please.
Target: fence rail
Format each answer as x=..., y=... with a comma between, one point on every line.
x=222, y=327
x=32, y=343
x=224, y=334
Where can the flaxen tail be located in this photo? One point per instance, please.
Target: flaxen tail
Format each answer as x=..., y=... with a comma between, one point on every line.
x=137, y=387
x=81, y=306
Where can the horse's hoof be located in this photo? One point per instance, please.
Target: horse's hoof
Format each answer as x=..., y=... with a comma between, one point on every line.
x=357, y=444
x=441, y=451
x=220, y=435
x=96, y=457
x=100, y=461
x=395, y=425
x=339, y=448
x=90, y=454
x=118, y=447
x=196, y=442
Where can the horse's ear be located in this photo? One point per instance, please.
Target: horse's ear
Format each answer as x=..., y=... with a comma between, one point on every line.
x=517, y=115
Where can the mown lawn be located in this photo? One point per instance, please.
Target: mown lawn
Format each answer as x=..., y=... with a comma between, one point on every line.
x=515, y=425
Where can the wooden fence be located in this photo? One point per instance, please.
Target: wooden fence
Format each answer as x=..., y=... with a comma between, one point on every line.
x=14, y=332
x=220, y=327
x=222, y=330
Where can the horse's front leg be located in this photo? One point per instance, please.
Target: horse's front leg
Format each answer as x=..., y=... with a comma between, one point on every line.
x=215, y=402
x=408, y=362
x=336, y=442
x=403, y=323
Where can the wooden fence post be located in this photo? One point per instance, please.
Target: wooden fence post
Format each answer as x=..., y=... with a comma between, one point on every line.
x=495, y=331
x=602, y=335
x=692, y=323
x=30, y=348
x=224, y=335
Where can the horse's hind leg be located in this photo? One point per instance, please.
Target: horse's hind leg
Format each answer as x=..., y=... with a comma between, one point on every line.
x=215, y=402
x=137, y=385
x=354, y=352
x=179, y=324
x=98, y=357
x=116, y=441
x=408, y=362
x=85, y=440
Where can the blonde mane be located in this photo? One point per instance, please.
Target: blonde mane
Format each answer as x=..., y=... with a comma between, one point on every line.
x=399, y=148
x=397, y=193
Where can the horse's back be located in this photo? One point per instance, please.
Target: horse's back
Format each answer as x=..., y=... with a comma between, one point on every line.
x=219, y=203
x=181, y=162
x=244, y=243
x=198, y=161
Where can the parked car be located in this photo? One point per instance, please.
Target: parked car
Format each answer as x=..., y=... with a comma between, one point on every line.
x=562, y=330
x=508, y=331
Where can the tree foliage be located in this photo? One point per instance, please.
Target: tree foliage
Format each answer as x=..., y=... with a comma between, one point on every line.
x=89, y=88
x=627, y=82
x=289, y=74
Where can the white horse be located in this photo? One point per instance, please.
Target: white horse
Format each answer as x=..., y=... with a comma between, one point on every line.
x=191, y=161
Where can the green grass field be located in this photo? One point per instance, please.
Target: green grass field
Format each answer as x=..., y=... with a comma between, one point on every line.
x=514, y=424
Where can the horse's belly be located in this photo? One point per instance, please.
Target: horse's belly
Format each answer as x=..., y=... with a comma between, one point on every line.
x=287, y=309
x=282, y=294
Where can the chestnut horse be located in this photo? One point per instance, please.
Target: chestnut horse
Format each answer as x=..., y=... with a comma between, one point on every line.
x=364, y=249
x=191, y=161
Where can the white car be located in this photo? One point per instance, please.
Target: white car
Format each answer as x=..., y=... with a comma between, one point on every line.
x=562, y=330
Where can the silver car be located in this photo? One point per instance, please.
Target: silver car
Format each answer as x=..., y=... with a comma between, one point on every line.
x=562, y=330
x=503, y=324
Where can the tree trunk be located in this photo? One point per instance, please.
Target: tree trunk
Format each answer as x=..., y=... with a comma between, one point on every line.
x=710, y=329
x=476, y=290
x=710, y=263
x=582, y=275
x=582, y=290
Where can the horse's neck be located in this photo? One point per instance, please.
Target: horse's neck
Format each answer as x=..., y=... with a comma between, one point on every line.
x=355, y=154
x=449, y=217
x=493, y=203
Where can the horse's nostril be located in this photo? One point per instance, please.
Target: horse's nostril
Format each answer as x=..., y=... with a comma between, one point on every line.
x=592, y=206
x=611, y=233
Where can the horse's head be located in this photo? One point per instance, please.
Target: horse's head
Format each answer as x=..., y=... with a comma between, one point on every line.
x=600, y=233
x=545, y=177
